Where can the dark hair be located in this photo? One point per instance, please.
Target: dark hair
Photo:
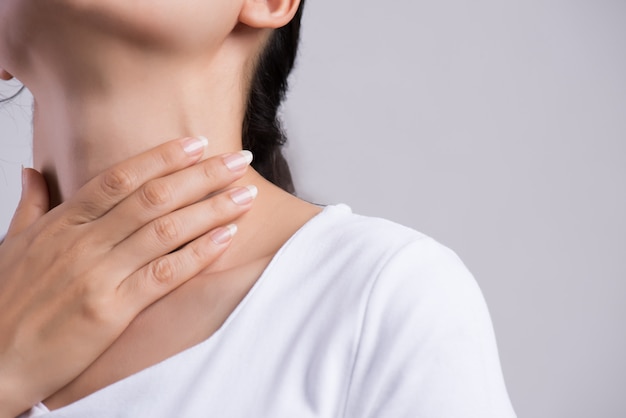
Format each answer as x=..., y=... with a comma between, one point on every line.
x=263, y=133
x=262, y=128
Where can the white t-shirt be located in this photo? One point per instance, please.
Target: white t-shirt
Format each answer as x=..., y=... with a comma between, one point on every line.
x=355, y=317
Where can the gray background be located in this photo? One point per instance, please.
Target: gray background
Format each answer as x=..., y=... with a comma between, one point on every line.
x=499, y=128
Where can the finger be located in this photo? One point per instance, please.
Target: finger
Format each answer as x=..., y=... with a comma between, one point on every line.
x=106, y=190
x=167, y=233
x=33, y=204
x=161, y=196
x=165, y=274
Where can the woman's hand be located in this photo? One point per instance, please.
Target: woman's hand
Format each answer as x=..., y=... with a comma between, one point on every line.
x=73, y=278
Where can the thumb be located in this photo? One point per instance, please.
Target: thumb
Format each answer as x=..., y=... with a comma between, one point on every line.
x=34, y=202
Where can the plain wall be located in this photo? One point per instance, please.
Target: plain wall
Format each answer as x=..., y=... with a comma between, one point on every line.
x=497, y=127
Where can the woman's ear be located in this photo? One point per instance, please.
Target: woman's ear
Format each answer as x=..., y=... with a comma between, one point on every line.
x=271, y=14
x=5, y=75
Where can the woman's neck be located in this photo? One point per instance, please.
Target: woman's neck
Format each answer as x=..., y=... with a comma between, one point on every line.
x=82, y=128
x=103, y=99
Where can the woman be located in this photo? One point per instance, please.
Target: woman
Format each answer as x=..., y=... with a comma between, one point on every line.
x=134, y=297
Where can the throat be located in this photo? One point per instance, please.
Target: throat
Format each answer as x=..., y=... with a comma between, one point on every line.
x=79, y=132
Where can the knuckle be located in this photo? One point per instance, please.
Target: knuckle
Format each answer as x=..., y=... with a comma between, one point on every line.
x=118, y=181
x=93, y=311
x=155, y=194
x=87, y=211
x=162, y=271
x=96, y=307
x=166, y=230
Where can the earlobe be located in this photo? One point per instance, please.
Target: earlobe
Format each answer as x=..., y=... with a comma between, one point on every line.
x=271, y=14
x=5, y=75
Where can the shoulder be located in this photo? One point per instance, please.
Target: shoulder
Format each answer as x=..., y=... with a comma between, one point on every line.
x=351, y=225
x=338, y=233
x=391, y=269
x=392, y=254
x=407, y=282
x=426, y=345
x=421, y=288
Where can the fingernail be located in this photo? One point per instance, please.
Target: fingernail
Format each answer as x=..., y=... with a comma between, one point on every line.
x=224, y=234
x=194, y=146
x=238, y=160
x=244, y=195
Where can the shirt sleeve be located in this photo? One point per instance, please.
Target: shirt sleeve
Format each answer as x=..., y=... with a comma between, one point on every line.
x=427, y=347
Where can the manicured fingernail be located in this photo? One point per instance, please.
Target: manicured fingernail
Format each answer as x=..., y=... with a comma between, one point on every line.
x=238, y=160
x=224, y=234
x=244, y=195
x=194, y=146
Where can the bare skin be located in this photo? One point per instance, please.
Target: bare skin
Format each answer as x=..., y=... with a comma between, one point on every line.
x=111, y=81
x=71, y=283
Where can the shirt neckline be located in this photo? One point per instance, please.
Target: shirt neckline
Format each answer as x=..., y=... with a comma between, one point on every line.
x=213, y=338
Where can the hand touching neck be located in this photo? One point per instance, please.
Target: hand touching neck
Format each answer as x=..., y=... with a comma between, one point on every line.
x=81, y=128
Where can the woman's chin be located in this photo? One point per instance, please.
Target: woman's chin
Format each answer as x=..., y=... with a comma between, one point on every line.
x=180, y=24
